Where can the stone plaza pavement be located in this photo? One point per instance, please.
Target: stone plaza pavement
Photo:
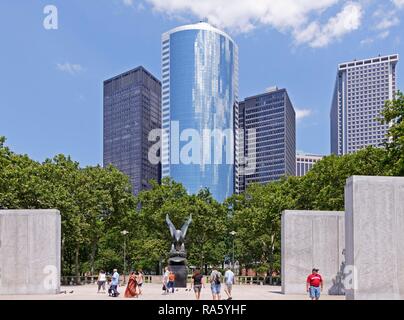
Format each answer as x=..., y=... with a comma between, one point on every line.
x=154, y=292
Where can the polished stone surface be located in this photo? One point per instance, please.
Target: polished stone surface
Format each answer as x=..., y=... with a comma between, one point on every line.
x=30, y=251
x=375, y=237
x=312, y=239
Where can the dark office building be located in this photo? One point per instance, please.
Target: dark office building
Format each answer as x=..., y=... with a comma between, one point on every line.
x=266, y=139
x=132, y=108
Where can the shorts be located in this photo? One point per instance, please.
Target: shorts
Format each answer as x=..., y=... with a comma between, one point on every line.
x=314, y=292
x=215, y=288
x=229, y=286
x=197, y=288
x=101, y=284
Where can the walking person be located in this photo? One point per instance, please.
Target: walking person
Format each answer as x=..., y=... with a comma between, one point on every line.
x=131, y=289
x=197, y=283
x=113, y=289
x=140, y=280
x=215, y=284
x=165, y=280
x=314, y=284
x=228, y=281
x=171, y=281
x=102, y=279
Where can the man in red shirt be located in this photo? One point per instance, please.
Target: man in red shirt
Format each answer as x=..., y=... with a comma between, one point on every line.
x=313, y=284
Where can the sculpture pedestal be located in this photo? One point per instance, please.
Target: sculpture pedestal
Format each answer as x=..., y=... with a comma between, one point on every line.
x=178, y=265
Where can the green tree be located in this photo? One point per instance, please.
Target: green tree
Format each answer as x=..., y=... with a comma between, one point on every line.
x=322, y=188
x=95, y=203
x=209, y=232
x=393, y=114
x=206, y=235
x=257, y=221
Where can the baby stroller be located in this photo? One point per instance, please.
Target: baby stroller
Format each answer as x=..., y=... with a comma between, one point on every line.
x=113, y=291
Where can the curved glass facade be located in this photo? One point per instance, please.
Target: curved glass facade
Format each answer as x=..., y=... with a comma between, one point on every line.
x=200, y=89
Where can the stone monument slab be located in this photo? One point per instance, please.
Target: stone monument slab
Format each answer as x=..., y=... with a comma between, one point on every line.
x=30, y=251
x=312, y=239
x=375, y=237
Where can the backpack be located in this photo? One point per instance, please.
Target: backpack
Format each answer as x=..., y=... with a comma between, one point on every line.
x=216, y=279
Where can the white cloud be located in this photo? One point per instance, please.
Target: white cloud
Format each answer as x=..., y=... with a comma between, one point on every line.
x=387, y=23
x=383, y=34
x=69, y=68
x=297, y=17
x=131, y=3
x=386, y=20
x=302, y=113
x=399, y=3
x=367, y=41
x=128, y=3
x=346, y=21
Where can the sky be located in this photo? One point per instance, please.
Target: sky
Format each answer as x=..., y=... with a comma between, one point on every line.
x=51, y=79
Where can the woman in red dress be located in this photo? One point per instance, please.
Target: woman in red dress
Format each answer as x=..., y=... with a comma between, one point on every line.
x=131, y=289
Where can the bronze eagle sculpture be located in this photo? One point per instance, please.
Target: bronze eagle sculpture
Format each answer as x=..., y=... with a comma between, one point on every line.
x=178, y=236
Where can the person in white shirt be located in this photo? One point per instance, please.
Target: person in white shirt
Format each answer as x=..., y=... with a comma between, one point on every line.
x=113, y=289
x=229, y=281
x=165, y=280
x=215, y=284
x=102, y=279
x=140, y=280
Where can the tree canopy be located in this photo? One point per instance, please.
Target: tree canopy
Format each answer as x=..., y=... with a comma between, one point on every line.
x=97, y=204
x=393, y=114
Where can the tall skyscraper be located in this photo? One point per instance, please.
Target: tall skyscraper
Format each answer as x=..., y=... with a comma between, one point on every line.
x=267, y=143
x=200, y=93
x=361, y=89
x=132, y=108
x=305, y=162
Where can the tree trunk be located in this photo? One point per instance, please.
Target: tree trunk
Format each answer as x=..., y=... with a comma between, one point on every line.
x=77, y=263
x=271, y=258
x=158, y=268
x=62, y=247
x=92, y=258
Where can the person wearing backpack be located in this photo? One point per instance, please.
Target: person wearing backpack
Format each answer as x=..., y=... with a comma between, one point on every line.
x=215, y=284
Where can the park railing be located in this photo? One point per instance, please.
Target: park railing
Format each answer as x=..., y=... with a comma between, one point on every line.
x=239, y=280
x=78, y=280
x=259, y=280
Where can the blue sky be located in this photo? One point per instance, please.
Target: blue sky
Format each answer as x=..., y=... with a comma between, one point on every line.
x=51, y=80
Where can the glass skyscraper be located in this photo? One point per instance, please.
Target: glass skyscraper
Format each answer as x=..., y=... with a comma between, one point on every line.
x=199, y=98
x=132, y=108
x=361, y=90
x=267, y=138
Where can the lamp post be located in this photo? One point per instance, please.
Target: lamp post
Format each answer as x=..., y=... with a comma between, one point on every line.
x=233, y=233
x=124, y=233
